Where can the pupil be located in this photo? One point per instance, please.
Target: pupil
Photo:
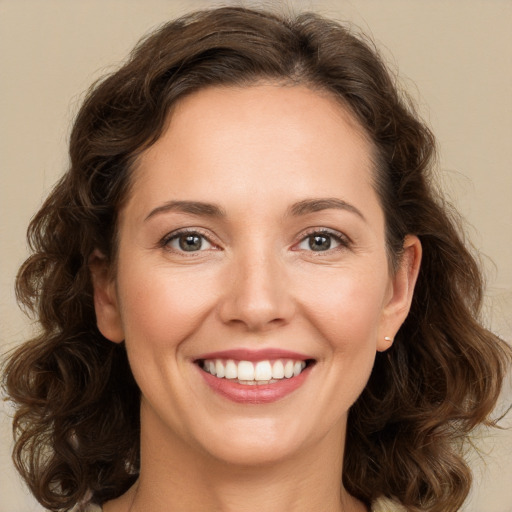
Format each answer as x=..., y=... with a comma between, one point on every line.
x=190, y=242
x=319, y=242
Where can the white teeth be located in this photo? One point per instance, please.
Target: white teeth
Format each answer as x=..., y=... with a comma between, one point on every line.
x=278, y=370
x=297, y=368
x=247, y=372
x=263, y=370
x=288, y=369
x=220, y=370
x=231, y=371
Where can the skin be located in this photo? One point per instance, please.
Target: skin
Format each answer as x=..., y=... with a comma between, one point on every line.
x=256, y=283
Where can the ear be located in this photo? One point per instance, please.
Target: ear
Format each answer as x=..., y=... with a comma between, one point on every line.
x=108, y=318
x=398, y=301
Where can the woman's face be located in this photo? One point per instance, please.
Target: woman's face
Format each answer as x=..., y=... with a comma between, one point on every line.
x=253, y=237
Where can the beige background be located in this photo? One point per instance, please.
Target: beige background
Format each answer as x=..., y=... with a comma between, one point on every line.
x=454, y=56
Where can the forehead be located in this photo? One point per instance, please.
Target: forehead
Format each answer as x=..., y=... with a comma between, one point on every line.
x=271, y=139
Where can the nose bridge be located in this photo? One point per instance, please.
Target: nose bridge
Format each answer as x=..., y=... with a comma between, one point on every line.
x=257, y=294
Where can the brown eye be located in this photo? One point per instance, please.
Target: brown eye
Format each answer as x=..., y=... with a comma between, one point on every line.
x=188, y=242
x=321, y=241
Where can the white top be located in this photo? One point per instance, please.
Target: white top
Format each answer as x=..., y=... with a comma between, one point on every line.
x=385, y=505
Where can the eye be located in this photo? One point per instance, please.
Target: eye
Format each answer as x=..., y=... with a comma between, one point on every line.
x=188, y=241
x=320, y=241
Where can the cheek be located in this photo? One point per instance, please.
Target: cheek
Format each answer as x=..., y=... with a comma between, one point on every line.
x=160, y=311
x=163, y=307
x=346, y=306
x=348, y=317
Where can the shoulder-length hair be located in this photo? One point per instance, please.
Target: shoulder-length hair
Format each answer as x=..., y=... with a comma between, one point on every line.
x=77, y=419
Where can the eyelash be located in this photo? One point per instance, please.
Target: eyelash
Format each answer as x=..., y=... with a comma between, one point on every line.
x=342, y=240
x=175, y=235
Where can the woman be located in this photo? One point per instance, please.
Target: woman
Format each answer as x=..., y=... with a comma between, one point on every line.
x=250, y=296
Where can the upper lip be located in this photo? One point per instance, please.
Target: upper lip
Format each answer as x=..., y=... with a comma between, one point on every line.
x=242, y=354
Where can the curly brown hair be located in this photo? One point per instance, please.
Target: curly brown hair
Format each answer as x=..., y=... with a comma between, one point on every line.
x=77, y=420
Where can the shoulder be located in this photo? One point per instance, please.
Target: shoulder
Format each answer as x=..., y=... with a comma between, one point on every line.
x=386, y=505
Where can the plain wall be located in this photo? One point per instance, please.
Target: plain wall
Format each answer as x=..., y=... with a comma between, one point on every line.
x=454, y=57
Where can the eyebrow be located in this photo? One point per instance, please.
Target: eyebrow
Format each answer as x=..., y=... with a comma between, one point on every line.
x=212, y=210
x=317, y=205
x=192, y=207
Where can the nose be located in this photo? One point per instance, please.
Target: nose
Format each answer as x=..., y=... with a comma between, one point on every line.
x=257, y=296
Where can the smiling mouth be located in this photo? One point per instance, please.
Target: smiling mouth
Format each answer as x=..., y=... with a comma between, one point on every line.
x=253, y=373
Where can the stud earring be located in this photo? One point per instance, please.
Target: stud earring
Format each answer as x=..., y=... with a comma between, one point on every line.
x=388, y=339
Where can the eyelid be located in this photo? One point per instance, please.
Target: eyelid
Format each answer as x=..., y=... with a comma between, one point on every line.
x=173, y=235
x=343, y=240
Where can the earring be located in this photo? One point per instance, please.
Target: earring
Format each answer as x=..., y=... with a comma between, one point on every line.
x=388, y=339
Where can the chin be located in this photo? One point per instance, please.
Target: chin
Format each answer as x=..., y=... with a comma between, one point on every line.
x=250, y=451
x=260, y=441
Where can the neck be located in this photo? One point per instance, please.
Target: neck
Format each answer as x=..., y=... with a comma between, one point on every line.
x=175, y=476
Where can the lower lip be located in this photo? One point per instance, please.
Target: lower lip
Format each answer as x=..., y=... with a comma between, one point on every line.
x=257, y=393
